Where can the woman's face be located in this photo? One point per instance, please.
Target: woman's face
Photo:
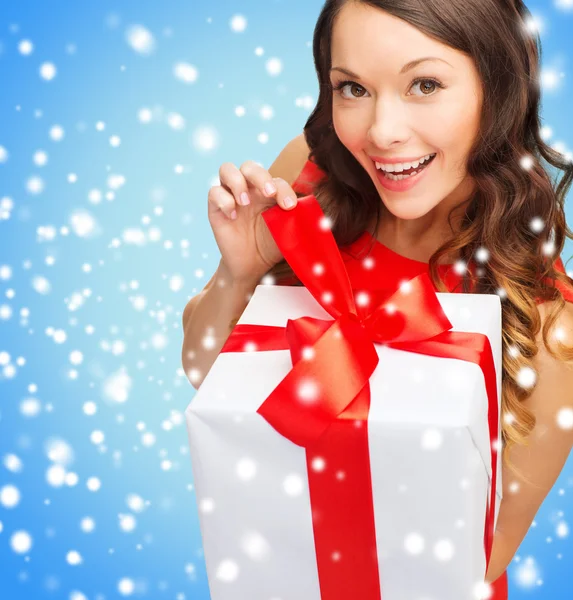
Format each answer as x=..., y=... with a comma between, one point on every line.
x=385, y=112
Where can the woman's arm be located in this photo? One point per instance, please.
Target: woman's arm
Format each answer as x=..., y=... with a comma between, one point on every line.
x=549, y=445
x=210, y=323
x=210, y=315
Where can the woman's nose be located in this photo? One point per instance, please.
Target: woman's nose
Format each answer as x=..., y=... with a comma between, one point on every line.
x=389, y=125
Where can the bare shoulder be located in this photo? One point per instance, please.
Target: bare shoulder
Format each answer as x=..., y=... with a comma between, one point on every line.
x=291, y=160
x=562, y=328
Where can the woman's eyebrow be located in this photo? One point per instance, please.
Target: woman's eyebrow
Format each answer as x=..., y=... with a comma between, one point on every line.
x=405, y=68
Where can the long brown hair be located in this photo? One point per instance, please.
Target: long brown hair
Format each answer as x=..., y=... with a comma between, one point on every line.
x=507, y=196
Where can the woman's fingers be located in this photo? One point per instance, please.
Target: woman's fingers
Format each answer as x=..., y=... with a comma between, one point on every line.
x=286, y=196
x=235, y=184
x=219, y=198
x=234, y=181
x=269, y=186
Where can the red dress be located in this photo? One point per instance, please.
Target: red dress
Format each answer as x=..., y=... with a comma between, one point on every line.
x=384, y=272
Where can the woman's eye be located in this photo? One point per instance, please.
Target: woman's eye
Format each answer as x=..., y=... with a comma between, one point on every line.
x=430, y=84
x=433, y=83
x=340, y=86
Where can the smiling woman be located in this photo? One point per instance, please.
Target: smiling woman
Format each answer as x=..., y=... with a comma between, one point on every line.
x=402, y=81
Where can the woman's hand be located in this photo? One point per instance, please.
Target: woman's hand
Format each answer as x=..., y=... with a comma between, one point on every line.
x=247, y=247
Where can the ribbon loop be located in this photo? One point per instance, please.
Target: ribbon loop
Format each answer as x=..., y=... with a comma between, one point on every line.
x=313, y=394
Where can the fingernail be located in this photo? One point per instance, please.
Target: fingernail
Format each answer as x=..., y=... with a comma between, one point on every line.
x=270, y=188
x=288, y=202
x=234, y=215
x=245, y=198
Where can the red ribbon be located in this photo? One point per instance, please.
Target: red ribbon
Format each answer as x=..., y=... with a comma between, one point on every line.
x=323, y=402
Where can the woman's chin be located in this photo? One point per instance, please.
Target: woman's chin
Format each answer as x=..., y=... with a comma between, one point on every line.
x=407, y=211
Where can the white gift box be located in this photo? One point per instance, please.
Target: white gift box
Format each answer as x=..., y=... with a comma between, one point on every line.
x=430, y=463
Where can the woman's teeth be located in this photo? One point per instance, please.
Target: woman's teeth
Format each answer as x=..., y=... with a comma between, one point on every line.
x=401, y=176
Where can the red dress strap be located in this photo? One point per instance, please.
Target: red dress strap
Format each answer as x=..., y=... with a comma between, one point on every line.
x=564, y=288
x=309, y=175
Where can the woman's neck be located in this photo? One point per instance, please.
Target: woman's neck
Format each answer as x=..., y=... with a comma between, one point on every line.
x=419, y=239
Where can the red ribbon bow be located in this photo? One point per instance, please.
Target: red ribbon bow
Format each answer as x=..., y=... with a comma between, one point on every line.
x=323, y=402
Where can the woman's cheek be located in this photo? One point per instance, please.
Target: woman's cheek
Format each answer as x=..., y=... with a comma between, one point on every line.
x=349, y=128
x=458, y=118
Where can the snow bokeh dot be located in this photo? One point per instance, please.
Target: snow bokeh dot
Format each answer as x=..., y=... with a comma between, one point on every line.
x=90, y=408
x=56, y=475
x=13, y=463
x=414, y=543
x=30, y=407
x=21, y=542
x=526, y=377
x=565, y=418
x=48, y=71
x=126, y=586
x=140, y=39
x=127, y=523
x=97, y=437
x=527, y=573
x=293, y=485
x=74, y=558
x=482, y=591
x=238, y=23
x=25, y=47
x=255, y=546
x=184, y=72
x=87, y=524
x=274, y=66
x=562, y=530
x=59, y=451
x=93, y=484
x=227, y=570
x=444, y=550
x=135, y=502
x=9, y=496
x=431, y=439
x=246, y=469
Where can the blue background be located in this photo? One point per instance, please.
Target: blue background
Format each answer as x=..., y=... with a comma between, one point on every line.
x=106, y=242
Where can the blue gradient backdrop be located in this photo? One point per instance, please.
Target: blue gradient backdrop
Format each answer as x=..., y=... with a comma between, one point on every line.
x=114, y=120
